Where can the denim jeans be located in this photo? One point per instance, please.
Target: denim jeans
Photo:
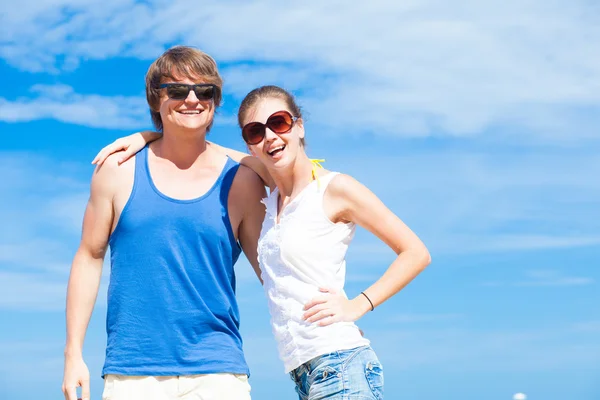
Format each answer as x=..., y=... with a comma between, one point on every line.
x=342, y=375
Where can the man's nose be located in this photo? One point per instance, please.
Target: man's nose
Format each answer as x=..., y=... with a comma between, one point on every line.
x=191, y=97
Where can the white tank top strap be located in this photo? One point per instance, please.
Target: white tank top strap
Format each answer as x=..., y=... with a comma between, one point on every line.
x=325, y=180
x=270, y=202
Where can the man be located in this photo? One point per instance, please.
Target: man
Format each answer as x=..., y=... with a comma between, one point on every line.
x=173, y=217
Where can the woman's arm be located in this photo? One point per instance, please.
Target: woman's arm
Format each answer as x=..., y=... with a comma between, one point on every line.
x=346, y=200
x=129, y=145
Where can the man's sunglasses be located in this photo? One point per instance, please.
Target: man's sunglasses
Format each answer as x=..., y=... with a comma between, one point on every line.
x=180, y=91
x=279, y=122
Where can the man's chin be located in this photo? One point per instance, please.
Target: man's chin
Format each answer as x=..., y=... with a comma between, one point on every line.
x=196, y=128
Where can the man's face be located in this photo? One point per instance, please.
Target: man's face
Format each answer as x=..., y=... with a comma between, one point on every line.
x=190, y=113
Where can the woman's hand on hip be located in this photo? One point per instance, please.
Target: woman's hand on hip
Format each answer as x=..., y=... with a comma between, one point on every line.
x=332, y=307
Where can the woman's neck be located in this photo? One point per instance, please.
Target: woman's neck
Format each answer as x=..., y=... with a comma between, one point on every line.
x=292, y=180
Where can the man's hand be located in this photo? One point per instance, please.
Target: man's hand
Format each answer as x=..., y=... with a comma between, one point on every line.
x=76, y=375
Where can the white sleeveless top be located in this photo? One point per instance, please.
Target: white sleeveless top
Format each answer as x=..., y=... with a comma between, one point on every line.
x=303, y=252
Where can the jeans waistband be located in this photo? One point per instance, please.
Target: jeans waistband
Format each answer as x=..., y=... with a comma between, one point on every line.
x=311, y=364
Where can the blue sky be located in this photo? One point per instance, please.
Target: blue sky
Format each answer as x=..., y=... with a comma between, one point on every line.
x=476, y=122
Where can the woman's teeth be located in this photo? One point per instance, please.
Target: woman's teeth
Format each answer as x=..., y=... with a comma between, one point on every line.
x=276, y=150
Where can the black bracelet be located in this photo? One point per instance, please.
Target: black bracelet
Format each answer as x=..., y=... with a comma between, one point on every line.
x=372, y=307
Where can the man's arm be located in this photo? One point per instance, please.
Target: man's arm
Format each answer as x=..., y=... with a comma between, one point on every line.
x=253, y=216
x=84, y=280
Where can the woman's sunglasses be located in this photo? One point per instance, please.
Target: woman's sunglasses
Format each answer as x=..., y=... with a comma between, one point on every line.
x=180, y=91
x=279, y=122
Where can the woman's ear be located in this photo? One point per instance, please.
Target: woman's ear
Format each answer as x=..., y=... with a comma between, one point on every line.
x=300, y=126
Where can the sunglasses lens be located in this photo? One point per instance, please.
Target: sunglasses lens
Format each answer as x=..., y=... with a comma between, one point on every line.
x=204, y=93
x=181, y=92
x=178, y=92
x=253, y=133
x=280, y=122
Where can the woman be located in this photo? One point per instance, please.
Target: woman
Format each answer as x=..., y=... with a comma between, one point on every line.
x=310, y=221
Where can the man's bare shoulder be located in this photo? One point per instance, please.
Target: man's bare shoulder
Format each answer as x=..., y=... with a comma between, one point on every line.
x=111, y=164
x=248, y=184
x=111, y=174
x=248, y=176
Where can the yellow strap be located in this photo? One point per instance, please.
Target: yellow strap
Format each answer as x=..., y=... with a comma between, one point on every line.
x=316, y=164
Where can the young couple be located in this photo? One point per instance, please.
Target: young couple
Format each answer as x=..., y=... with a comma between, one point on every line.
x=176, y=217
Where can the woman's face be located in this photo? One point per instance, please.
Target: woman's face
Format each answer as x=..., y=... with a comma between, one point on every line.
x=276, y=150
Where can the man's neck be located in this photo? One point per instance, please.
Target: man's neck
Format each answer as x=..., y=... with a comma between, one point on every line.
x=180, y=148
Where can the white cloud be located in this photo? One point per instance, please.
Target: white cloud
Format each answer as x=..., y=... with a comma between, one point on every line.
x=481, y=201
x=32, y=291
x=546, y=278
x=402, y=68
x=423, y=318
x=469, y=243
x=241, y=79
x=61, y=103
x=39, y=236
x=587, y=326
x=37, y=189
x=37, y=253
x=45, y=352
x=500, y=350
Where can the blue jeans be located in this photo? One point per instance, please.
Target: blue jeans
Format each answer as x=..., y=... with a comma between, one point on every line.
x=342, y=375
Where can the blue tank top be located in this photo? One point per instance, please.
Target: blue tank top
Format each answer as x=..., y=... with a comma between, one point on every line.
x=171, y=298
